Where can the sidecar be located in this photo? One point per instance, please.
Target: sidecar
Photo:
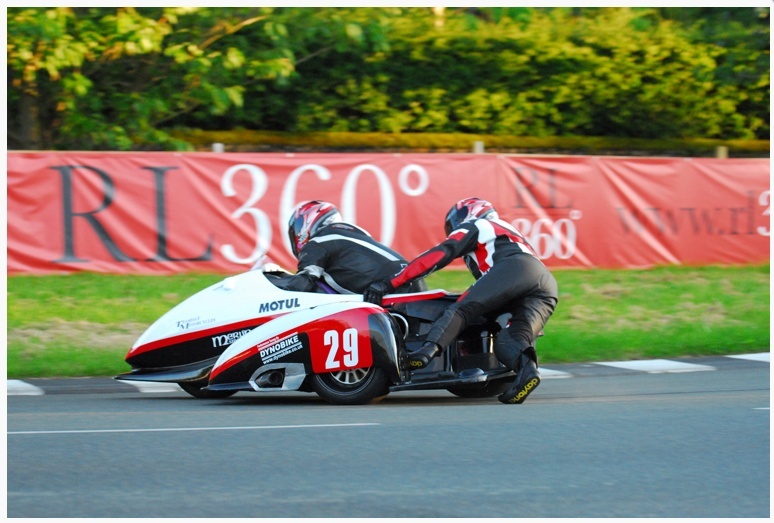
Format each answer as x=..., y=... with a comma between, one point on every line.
x=354, y=352
x=247, y=333
x=182, y=345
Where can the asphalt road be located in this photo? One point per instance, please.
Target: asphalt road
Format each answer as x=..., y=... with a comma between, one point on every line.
x=601, y=444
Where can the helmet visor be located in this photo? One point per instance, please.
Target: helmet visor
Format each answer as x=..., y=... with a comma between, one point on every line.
x=296, y=234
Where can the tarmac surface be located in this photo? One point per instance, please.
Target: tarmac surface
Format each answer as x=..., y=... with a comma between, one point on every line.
x=686, y=438
x=93, y=385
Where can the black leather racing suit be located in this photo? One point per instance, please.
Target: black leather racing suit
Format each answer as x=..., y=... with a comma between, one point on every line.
x=347, y=258
x=510, y=278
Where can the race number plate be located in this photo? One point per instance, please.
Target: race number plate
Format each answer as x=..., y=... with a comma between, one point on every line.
x=341, y=342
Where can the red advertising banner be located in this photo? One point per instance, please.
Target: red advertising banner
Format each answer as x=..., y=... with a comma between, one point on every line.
x=161, y=213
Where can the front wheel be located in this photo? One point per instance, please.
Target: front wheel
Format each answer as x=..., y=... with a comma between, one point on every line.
x=351, y=387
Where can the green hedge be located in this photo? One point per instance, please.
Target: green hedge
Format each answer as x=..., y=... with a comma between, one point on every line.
x=242, y=140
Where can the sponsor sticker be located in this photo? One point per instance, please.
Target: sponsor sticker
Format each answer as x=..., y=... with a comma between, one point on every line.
x=224, y=340
x=279, y=305
x=191, y=323
x=276, y=348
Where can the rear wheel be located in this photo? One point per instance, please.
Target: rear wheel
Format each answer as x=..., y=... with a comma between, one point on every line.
x=194, y=388
x=486, y=389
x=351, y=387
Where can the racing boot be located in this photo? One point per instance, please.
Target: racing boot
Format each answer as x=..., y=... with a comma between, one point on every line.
x=527, y=379
x=421, y=358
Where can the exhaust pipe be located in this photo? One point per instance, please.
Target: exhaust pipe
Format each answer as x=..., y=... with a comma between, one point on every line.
x=402, y=322
x=271, y=379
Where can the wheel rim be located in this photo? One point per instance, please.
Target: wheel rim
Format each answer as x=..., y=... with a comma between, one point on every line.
x=349, y=378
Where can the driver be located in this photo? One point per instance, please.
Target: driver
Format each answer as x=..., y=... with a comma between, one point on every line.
x=511, y=282
x=340, y=255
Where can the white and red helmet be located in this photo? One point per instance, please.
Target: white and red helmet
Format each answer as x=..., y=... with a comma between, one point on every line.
x=308, y=218
x=466, y=210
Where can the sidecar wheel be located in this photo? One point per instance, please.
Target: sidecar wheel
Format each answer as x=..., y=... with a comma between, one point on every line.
x=351, y=387
x=480, y=390
x=194, y=388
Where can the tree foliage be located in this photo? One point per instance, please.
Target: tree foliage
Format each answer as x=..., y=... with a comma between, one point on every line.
x=113, y=78
x=125, y=78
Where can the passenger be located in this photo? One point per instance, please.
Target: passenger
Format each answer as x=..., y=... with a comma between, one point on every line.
x=340, y=255
x=510, y=280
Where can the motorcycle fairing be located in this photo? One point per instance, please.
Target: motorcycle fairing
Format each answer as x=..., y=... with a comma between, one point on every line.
x=326, y=338
x=234, y=306
x=190, y=347
x=191, y=372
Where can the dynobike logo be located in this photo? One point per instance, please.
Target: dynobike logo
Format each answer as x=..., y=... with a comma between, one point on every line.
x=224, y=340
x=276, y=348
x=279, y=305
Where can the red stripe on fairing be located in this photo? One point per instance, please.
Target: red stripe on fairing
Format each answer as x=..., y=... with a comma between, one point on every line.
x=188, y=336
x=252, y=351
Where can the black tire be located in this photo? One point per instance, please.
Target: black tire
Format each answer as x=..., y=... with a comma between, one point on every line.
x=351, y=387
x=481, y=390
x=194, y=388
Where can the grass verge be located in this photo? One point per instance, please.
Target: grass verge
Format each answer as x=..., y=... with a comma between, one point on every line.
x=83, y=324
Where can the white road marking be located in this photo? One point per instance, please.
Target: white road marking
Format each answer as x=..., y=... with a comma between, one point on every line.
x=760, y=356
x=552, y=374
x=656, y=366
x=22, y=388
x=184, y=429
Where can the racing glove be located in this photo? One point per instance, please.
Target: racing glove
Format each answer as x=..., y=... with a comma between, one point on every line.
x=376, y=291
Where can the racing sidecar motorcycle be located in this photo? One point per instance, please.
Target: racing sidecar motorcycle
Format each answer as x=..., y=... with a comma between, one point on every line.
x=246, y=333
